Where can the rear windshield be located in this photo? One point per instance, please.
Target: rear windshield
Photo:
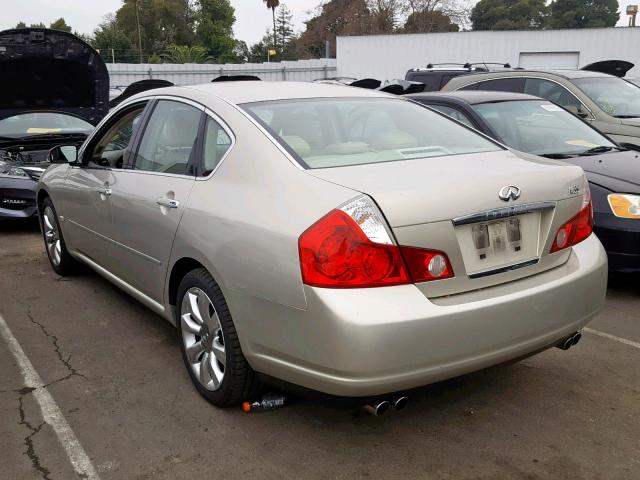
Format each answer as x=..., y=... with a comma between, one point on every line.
x=339, y=132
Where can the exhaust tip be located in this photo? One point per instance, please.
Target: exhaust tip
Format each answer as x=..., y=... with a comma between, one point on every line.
x=400, y=403
x=568, y=342
x=378, y=409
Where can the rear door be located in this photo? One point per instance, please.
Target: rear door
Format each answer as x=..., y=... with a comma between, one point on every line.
x=151, y=193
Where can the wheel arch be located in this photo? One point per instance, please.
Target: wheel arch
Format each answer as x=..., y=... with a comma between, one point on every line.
x=180, y=268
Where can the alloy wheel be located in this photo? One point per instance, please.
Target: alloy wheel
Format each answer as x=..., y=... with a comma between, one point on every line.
x=203, y=338
x=52, y=236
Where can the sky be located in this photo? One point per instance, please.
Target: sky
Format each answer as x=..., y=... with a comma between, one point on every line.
x=252, y=17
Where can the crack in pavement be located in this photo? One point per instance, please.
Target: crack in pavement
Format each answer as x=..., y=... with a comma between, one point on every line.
x=54, y=340
x=28, y=440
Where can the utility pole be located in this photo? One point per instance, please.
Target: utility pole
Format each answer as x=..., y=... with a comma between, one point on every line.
x=139, y=34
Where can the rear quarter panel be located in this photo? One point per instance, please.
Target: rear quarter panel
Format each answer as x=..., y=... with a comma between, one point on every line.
x=243, y=223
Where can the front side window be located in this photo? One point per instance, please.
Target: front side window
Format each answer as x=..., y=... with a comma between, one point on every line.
x=337, y=132
x=39, y=123
x=554, y=92
x=169, y=140
x=540, y=128
x=615, y=96
x=110, y=149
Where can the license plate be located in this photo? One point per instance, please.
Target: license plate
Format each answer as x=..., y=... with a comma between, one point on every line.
x=497, y=238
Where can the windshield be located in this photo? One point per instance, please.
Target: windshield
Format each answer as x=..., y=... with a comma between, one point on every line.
x=540, y=127
x=338, y=132
x=41, y=123
x=615, y=96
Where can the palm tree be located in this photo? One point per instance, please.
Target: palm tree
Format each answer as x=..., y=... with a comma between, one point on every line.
x=273, y=4
x=186, y=54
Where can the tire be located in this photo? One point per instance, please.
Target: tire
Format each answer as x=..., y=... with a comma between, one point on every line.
x=209, y=342
x=61, y=262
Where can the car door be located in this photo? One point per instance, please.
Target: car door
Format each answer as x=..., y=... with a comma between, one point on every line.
x=558, y=94
x=151, y=193
x=88, y=212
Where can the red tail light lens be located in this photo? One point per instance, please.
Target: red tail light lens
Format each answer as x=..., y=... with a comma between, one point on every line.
x=577, y=229
x=350, y=248
x=335, y=253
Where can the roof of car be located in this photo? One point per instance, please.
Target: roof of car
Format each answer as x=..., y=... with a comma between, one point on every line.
x=247, y=92
x=473, y=97
x=568, y=74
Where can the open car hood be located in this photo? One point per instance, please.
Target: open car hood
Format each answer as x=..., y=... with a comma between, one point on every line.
x=619, y=68
x=50, y=70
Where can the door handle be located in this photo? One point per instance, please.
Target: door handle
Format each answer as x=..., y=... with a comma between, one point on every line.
x=168, y=202
x=105, y=191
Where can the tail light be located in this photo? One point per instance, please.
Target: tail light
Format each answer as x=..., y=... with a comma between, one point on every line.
x=351, y=247
x=578, y=228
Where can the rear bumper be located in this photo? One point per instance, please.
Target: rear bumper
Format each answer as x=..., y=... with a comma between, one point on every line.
x=621, y=240
x=374, y=341
x=17, y=197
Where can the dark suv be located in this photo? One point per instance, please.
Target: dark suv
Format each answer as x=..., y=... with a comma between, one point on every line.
x=436, y=76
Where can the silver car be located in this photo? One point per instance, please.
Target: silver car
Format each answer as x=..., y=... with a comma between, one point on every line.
x=341, y=239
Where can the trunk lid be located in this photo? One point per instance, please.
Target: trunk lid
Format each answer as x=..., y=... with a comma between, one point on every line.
x=452, y=204
x=51, y=70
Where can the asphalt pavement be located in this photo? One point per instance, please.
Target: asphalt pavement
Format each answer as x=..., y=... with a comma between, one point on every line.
x=100, y=391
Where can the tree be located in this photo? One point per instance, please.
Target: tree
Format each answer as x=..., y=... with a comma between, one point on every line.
x=215, y=19
x=113, y=42
x=21, y=25
x=429, y=21
x=583, y=14
x=457, y=10
x=284, y=36
x=335, y=17
x=385, y=14
x=60, y=24
x=186, y=54
x=162, y=23
x=509, y=15
x=273, y=4
x=38, y=25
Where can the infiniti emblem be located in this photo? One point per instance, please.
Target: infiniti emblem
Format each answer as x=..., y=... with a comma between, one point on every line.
x=509, y=192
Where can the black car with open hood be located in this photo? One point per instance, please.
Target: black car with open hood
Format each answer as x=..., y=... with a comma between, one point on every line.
x=54, y=89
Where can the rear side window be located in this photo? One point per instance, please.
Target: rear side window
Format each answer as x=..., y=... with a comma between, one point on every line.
x=431, y=80
x=453, y=113
x=515, y=85
x=169, y=139
x=217, y=143
x=337, y=132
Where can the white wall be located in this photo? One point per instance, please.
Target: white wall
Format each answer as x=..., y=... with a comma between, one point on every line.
x=122, y=74
x=390, y=56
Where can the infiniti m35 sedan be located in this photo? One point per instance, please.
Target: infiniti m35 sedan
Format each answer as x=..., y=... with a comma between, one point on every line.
x=344, y=240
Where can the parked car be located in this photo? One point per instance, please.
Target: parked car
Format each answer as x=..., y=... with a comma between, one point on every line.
x=539, y=127
x=609, y=103
x=341, y=239
x=53, y=89
x=436, y=76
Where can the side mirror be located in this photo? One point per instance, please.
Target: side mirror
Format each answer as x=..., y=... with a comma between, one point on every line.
x=63, y=154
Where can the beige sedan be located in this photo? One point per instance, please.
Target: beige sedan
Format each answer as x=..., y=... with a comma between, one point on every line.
x=340, y=239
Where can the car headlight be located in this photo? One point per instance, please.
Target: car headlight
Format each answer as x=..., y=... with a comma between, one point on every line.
x=11, y=171
x=625, y=206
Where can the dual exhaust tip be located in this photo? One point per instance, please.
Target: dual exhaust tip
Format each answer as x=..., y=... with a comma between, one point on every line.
x=568, y=342
x=378, y=409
